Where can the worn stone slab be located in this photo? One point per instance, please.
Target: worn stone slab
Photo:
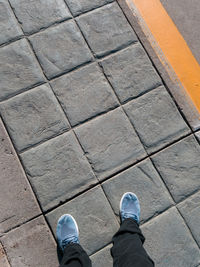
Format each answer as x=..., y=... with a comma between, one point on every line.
x=190, y=210
x=33, y=116
x=179, y=166
x=60, y=49
x=81, y=6
x=31, y=244
x=131, y=73
x=19, y=69
x=144, y=181
x=156, y=119
x=18, y=203
x=95, y=218
x=169, y=242
x=9, y=27
x=198, y=135
x=37, y=14
x=110, y=143
x=58, y=170
x=3, y=258
x=106, y=29
x=102, y=258
x=84, y=94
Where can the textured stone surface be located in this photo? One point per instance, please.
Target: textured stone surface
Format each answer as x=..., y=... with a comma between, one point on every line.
x=190, y=210
x=130, y=73
x=33, y=116
x=179, y=166
x=110, y=143
x=57, y=170
x=37, y=14
x=106, y=29
x=156, y=119
x=198, y=136
x=144, y=181
x=9, y=27
x=80, y=6
x=60, y=56
x=169, y=243
x=18, y=203
x=102, y=258
x=31, y=245
x=95, y=218
x=84, y=94
x=18, y=69
x=3, y=258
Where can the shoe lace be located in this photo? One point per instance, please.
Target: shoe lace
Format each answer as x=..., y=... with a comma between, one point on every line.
x=69, y=240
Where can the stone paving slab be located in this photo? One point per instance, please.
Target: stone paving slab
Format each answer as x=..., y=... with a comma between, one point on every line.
x=87, y=89
x=96, y=220
x=179, y=167
x=58, y=170
x=110, y=143
x=156, y=119
x=102, y=258
x=169, y=241
x=146, y=183
x=37, y=14
x=71, y=50
x=130, y=72
x=33, y=116
x=31, y=244
x=18, y=203
x=3, y=258
x=106, y=29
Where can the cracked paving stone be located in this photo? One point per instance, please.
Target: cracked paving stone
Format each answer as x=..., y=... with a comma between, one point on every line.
x=169, y=242
x=31, y=244
x=36, y=14
x=131, y=73
x=179, y=166
x=102, y=258
x=60, y=49
x=33, y=116
x=80, y=6
x=190, y=210
x=84, y=94
x=9, y=27
x=156, y=119
x=58, y=170
x=95, y=218
x=19, y=69
x=110, y=143
x=106, y=29
x=144, y=181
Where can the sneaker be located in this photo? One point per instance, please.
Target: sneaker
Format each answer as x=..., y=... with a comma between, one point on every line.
x=67, y=231
x=130, y=207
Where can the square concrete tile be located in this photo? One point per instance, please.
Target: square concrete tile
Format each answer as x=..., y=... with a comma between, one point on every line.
x=9, y=27
x=60, y=49
x=18, y=204
x=80, y=6
x=3, y=258
x=131, y=73
x=33, y=116
x=102, y=258
x=84, y=94
x=37, y=14
x=190, y=210
x=19, y=69
x=58, y=170
x=156, y=119
x=31, y=244
x=95, y=218
x=110, y=143
x=106, y=29
x=179, y=166
x=169, y=242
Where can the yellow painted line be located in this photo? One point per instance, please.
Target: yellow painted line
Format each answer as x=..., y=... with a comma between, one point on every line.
x=174, y=48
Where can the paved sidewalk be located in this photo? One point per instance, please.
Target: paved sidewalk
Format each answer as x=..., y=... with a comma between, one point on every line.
x=86, y=117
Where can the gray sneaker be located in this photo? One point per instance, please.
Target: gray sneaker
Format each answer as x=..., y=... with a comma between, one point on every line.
x=130, y=207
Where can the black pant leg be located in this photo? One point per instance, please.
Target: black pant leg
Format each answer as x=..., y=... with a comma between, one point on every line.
x=127, y=250
x=75, y=256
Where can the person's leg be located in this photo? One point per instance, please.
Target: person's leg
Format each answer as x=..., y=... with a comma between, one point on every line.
x=68, y=241
x=127, y=250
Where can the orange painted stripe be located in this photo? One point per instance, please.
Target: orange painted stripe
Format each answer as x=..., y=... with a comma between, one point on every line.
x=172, y=44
